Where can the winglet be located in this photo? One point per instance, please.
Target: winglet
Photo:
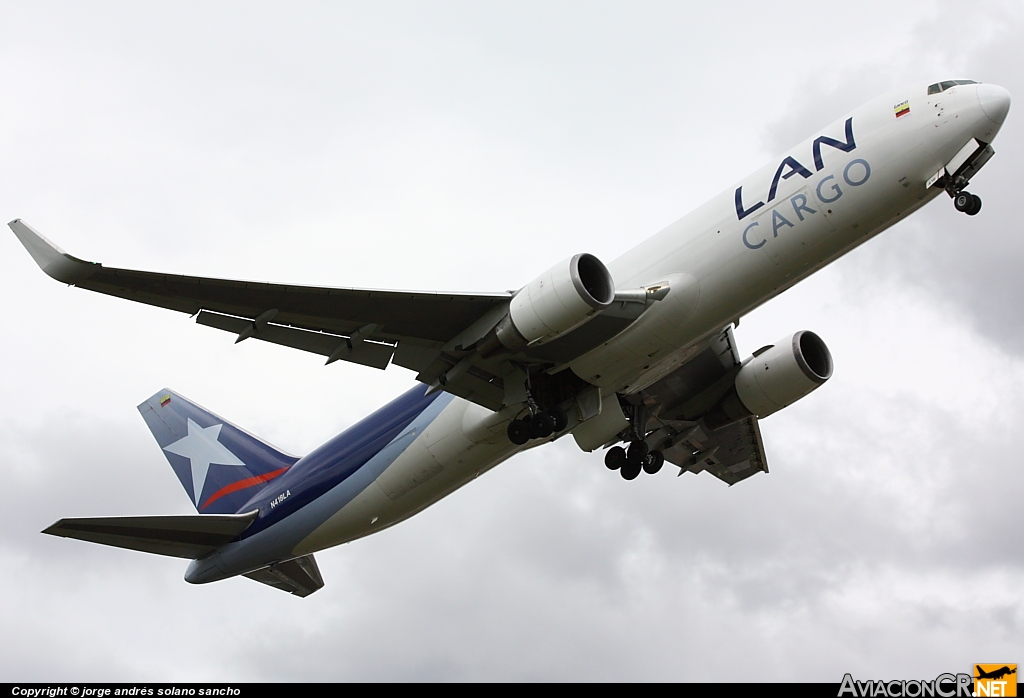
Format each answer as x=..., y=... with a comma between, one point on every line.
x=57, y=263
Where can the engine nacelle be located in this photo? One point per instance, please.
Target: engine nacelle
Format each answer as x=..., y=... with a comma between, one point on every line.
x=558, y=301
x=783, y=374
x=775, y=378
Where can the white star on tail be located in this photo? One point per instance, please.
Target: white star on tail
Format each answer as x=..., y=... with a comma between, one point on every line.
x=202, y=448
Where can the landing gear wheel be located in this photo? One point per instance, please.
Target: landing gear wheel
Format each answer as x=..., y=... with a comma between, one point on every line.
x=630, y=470
x=518, y=432
x=542, y=425
x=637, y=454
x=975, y=205
x=615, y=458
x=653, y=462
x=561, y=419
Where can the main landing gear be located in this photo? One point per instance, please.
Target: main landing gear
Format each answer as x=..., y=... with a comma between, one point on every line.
x=539, y=425
x=630, y=462
x=968, y=203
x=638, y=456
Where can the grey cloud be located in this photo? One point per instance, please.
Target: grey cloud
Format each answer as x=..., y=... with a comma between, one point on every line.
x=972, y=264
x=885, y=541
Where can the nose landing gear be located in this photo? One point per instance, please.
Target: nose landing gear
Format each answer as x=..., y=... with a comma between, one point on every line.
x=968, y=203
x=955, y=177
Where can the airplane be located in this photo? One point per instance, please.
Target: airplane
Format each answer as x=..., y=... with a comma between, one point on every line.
x=995, y=674
x=637, y=357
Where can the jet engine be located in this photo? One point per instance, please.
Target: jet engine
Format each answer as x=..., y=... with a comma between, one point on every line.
x=556, y=302
x=775, y=377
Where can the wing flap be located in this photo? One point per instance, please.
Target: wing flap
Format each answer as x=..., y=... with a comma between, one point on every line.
x=187, y=537
x=300, y=576
x=373, y=354
x=731, y=453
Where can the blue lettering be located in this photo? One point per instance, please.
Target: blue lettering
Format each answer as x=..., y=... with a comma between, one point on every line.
x=802, y=206
x=794, y=168
x=833, y=143
x=777, y=220
x=835, y=188
x=740, y=211
x=747, y=242
x=867, y=172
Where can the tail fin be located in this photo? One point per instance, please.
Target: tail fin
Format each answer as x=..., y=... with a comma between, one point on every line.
x=220, y=466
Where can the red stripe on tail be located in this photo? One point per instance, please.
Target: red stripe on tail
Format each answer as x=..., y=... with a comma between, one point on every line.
x=241, y=485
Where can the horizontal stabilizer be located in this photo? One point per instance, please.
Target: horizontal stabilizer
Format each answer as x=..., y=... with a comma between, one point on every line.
x=189, y=537
x=300, y=576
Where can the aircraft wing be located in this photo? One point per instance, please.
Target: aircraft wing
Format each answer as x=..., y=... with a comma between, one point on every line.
x=679, y=401
x=189, y=537
x=731, y=453
x=367, y=323
x=429, y=333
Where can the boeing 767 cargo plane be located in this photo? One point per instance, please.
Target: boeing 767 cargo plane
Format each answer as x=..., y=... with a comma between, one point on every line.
x=639, y=352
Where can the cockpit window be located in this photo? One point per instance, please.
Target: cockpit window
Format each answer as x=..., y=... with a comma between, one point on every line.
x=946, y=84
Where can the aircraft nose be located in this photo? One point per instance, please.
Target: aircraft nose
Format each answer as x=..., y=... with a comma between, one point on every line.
x=995, y=102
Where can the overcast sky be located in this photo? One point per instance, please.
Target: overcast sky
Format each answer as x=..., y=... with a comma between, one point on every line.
x=468, y=146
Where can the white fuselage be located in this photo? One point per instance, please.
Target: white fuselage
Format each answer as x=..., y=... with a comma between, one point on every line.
x=722, y=260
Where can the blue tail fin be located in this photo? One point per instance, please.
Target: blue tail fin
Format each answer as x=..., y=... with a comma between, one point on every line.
x=220, y=466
